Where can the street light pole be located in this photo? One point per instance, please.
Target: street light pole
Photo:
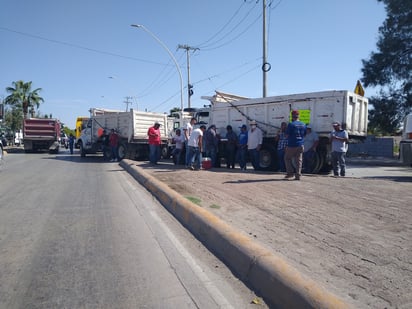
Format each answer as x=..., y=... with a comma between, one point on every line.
x=171, y=56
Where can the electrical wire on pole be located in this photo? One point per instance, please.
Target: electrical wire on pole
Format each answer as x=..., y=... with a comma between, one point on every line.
x=127, y=102
x=189, y=86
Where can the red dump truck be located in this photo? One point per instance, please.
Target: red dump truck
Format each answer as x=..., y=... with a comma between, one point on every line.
x=41, y=134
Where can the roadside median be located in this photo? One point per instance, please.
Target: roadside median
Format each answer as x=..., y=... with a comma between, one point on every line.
x=269, y=275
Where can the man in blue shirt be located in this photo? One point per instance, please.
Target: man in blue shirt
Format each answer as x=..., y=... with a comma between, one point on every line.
x=242, y=147
x=295, y=133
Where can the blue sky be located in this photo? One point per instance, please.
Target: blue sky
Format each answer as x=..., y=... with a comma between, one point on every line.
x=84, y=53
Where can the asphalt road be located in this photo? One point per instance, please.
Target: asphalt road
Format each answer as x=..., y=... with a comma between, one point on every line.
x=79, y=233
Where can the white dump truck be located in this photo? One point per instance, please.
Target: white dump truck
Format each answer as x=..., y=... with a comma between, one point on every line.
x=319, y=109
x=405, y=146
x=131, y=126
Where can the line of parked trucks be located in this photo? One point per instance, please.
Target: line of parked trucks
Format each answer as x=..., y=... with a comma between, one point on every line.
x=319, y=109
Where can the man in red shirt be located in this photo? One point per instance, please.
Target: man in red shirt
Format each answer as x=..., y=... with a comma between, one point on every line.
x=113, y=142
x=154, y=143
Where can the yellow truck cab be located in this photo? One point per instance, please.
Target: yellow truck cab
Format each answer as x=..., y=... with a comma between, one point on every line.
x=81, y=123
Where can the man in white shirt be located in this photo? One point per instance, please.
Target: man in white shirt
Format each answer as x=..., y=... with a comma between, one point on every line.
x=195, y=147
x=254, y=143
x=339, y=138
x=187, y=131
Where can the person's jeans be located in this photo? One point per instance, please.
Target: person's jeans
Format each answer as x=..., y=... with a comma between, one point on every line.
x=211, y=152
x=154, y=155
x=231, y=156
x=194, y=157
x=114, y=153
x=281, y=160
x=188, y=156
x=254, y=157
x=242, y=153
x=294, y=155
x=176, y=155
x=338, y=161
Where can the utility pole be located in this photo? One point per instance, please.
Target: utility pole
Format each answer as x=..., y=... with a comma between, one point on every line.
x=265, y=64
x=127, y=102
x=189, y=86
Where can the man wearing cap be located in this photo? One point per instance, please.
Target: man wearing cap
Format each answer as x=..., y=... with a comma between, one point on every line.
x=114, y=142
x=254, y=143
x=295, y=132
x=339, y=139
x=242, y=147
x=154, y=143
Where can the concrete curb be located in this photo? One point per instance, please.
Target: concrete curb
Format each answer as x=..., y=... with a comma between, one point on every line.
x=270, y=276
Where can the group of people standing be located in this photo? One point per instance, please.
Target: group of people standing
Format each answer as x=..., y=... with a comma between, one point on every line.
x=199, y=142
x=110, y=145
x=296, y=146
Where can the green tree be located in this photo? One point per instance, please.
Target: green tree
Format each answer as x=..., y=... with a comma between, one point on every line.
x=13, y=119
x=22, y=97
x=390, y=68
x=174, y=109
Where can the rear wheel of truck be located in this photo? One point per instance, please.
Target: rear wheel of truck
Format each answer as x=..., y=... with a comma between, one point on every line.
x=267, y=159
x=314, y=163
x=121, y=151
x=82, y=151
x=165, y=152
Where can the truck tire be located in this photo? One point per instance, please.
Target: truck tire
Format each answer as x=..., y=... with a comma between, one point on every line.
x=107, y=153
x=325, y=165
x=315, y=164
x=164, y=152
x=82, y=151
x=267, y=158
x=121, y=151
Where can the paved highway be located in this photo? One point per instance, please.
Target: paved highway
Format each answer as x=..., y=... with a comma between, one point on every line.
x=79, y=233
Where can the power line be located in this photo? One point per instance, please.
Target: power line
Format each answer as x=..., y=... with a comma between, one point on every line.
x=212, y=46
x=78, y=46
x=127, y=102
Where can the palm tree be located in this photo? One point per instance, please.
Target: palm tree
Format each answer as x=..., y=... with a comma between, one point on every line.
x=22, y=97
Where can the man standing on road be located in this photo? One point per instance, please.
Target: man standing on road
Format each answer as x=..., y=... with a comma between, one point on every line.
x=282, y=141
x=242, y=147
x=154, y=143
x=187, y=131
x=195, y=147
x=339, y=138
x=295, y=132
x=211, y=143
x=114, y=141
x=254, y=143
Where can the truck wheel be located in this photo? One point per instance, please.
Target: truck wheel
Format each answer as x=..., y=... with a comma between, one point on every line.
x=82, y=151
x=314, y=164
x=121, y=151
x=165, y=153
x=267, y=159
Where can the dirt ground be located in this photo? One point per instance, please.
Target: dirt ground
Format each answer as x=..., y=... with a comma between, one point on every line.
x=352, y=235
